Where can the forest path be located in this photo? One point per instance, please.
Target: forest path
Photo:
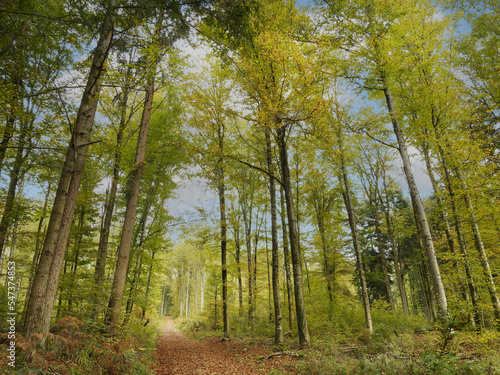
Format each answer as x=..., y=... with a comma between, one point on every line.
x=179, y=355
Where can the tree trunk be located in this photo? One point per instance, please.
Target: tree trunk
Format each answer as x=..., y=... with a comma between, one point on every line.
x=424, y=293
x=378, y=234
x=11, y=119
x=148, y=284
x=278, y=328
x=56, y=239
x=458, y=229
x=237, y=245
x=286, y=252
x=223, y=236
x=115, y=301
x=110, y=204
x=397, y=269
x=15, y=173
x=36, y=255
x=292, y=231
x=247, y=215
x=329, y=275
x=74, y=266
x=268, y=266
x=420, y=214
x=478, y=242
x=139, y=246
x=354, y=233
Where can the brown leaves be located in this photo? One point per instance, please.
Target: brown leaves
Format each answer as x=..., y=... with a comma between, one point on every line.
x=177, y=354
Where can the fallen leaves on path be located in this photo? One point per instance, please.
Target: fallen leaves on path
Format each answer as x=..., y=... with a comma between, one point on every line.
x=179, y=355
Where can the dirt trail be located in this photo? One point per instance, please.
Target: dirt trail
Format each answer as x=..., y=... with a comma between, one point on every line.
x=179, y=355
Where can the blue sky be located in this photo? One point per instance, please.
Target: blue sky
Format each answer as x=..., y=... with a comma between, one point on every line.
x=304, y=2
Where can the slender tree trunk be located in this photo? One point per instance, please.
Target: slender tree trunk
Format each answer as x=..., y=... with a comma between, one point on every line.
x=110, y=204
x=397, y=268
x=10, y=123
x=303, y=331
x=354, y=233
x=478, y=242
x=223, y=239
x=286, y=252
x=13, y=240
x=268, y=266
x=139, y=248
x=187, y=291
x=238, y=268
x=297, y=205
x=378, y=234
x=49, y=269
x=278, y=328
x=115, y=301
x=458, y=229
x=256, y=238
x=74, y=266
x=15, y=173
x=248, y=228
x=424, y=292
x=419, y=210
x=326, y=264
x=215, y=309
x=36, y=255
x=148, y=284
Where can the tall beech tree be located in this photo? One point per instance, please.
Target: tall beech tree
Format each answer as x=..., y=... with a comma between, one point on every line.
x=161, y=39
x=278, y=329
x=123, y=115
x=49, y=268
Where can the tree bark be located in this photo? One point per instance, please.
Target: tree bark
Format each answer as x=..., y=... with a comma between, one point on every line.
x=15, y=173
x=10, y=122
x=49, y=269
x=110, y=204
x=478, y=242
x=397, y=269
x=321, y=206
x=56, y=239
x=286, y=253
x=139, y=246
x=378, y=234
x=420, y=214
x=354, y=233
x=36, y=255
x=462, y=245
x=115, y=301
x=74, y=266
x=223, y=234
x=278, y=328
x=247, y=215
x=237, y=245
x=303, y=331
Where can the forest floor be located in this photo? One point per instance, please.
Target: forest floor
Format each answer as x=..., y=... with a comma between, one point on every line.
x=177, y=354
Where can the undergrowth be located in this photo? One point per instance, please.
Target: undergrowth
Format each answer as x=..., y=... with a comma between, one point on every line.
x=398, y=346
x=76, y=348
